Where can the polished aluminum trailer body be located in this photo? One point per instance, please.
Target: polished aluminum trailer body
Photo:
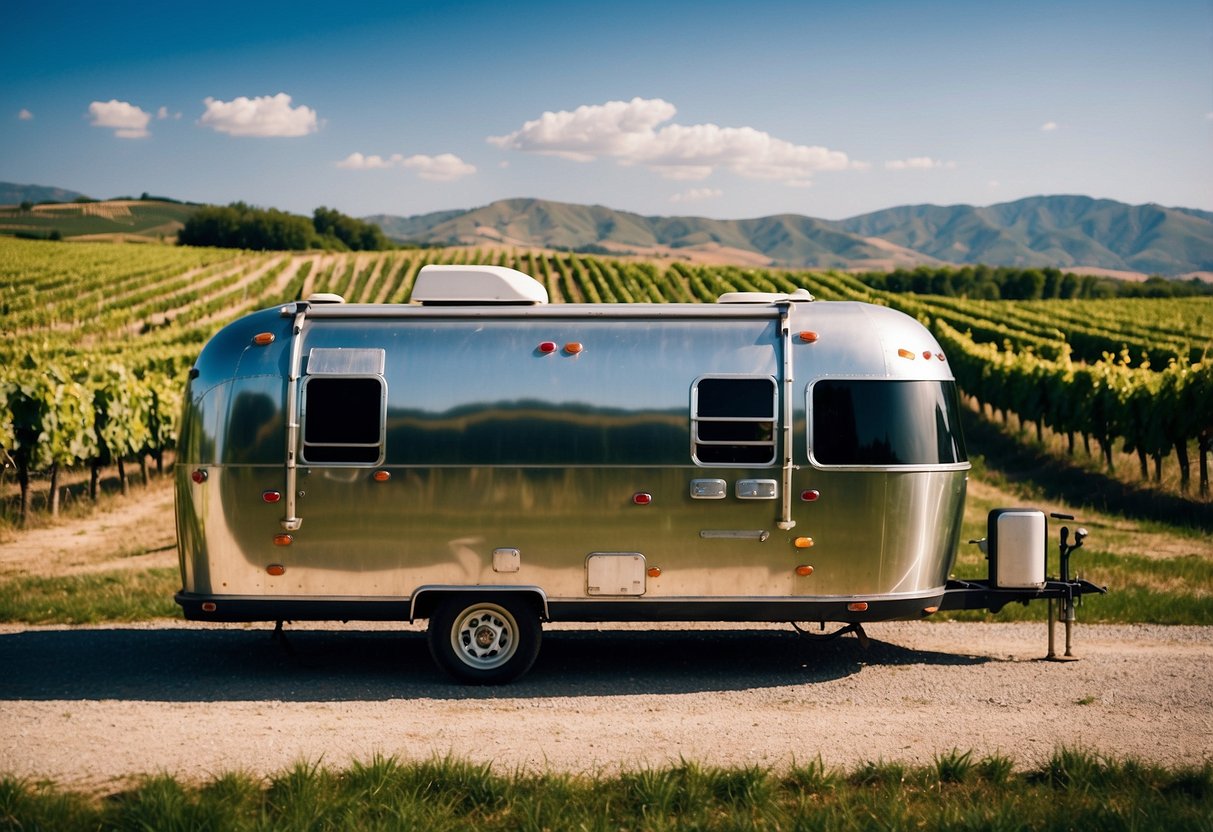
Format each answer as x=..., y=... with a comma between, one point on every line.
x=780, y=460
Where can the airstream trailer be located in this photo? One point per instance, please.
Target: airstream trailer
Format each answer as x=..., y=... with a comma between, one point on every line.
x=487, y=461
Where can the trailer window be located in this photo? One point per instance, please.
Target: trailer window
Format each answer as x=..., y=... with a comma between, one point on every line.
x=856, y=422
x=733, y=421
x=343, y=420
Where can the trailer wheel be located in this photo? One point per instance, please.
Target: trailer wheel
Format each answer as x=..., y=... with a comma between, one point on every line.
x=485, y=642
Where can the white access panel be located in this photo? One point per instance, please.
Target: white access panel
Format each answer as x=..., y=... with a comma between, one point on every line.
x=615, y=573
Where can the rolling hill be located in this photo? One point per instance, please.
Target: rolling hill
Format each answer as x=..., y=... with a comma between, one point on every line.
x=1061, y=231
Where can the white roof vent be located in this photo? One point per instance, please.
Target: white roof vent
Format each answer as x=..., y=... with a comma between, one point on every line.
x=476, y=284
x=324, y=297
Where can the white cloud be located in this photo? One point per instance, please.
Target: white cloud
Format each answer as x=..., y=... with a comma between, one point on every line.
x=629, y=132
x=263, y=117
x=993, y=183
x=163, y=113
x=25, y=115
x=125, y=119
x=445, y=167
x=1049, y=127
x=918, y=163
x=697, y=195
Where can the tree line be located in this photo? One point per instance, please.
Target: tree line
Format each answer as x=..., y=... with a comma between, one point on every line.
x=239, y=225
x=1009, y=283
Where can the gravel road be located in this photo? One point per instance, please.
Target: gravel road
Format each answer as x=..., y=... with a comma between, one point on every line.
x=91, y=707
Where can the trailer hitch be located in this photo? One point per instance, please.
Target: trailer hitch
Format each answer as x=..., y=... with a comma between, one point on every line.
x=1066, y=612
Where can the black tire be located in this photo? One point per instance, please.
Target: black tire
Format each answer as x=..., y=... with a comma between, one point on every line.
x=485, y=641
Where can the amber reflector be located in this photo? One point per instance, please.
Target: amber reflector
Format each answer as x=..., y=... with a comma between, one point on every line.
x=810, y=496
x=263, y=338
x=573, y=348
x=906, y=354
x=271, y=496
x=381, y=476
x=654, y=572
x=804, y=570
x=808, y=337
x=929, y=610
x=199, y=476
x=283, y=540
x=858, y=606
x=642, y=498
x=276, y=569
x=803, y=542
x=208, y=606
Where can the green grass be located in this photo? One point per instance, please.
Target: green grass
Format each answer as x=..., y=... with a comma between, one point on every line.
x=120, y=595
x=1072, y=790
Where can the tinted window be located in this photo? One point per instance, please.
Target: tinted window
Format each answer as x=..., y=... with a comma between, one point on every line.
x=343, y=419
x=886, y=423
x=733, y=421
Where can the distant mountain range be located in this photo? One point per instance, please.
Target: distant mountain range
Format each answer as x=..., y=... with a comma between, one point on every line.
x=1061, y=231
x=1068, y=232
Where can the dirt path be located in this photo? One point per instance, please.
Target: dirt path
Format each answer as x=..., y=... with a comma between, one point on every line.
x=89, y=707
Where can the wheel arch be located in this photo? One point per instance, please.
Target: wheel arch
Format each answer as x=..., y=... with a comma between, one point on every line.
x=426, y=599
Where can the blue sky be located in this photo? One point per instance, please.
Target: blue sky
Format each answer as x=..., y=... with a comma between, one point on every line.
x=721, y=110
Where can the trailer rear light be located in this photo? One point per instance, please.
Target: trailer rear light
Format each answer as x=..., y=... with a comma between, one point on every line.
x=573, y=347
x=208, y=606
x=810, y=496
x=808, y=336
x=199, y=475
x=547, y=347
x=926, y=354
x=904, y=353
x=642, y=498
x=804, y=570
x=262, y=339
x=858, y=606
x=654, y=572
x=381, y=476
x=283, y=540
x=275, y=569
x=803, y=543
x=271, y=496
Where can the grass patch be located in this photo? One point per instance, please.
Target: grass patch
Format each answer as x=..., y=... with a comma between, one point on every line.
x=1072, y=790
x=120, y=595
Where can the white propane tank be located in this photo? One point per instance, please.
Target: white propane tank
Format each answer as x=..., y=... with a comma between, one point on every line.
x=1017, y=541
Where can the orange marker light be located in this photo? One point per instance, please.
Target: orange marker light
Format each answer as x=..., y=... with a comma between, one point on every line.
x=262, y=339
x=276, y=569
x=858, y=606
x=573, y=347
x=654, y=572
x=808, y=336
x=381, y=476
x=271, y=496
x=804, y=570
x=906, y=354
x=803, y=543
x=283, y=540
x=929, y=610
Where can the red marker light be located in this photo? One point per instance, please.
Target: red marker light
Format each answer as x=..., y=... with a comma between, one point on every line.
x=199, y=475
x=381, y=476
x=926, y=354
x=271, y=496
x=810, y=496
x=858, y=606
x=208, y=606
x=642, y=498
x=804, y=570
x=547, y=347
x=283, y=540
